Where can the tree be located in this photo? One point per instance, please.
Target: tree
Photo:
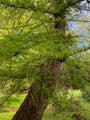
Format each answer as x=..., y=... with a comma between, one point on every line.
x=33, y=48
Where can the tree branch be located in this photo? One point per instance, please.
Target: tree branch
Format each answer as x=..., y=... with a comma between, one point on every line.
x=81, y=50
x=26, y=25
x=32, y=7
x=71, y=3
x=8, y=97
x=80, y=20
x=85, y=9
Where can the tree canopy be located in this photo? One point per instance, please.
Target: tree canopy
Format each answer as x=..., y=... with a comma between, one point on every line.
x=35, y=32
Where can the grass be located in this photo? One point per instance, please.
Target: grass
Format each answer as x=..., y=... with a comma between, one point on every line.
x=6, y=116
x=12, y=103
x=9, y=108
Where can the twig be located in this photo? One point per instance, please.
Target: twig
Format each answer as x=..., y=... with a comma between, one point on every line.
x=20, y=26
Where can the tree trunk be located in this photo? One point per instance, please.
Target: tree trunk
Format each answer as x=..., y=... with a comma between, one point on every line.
x=35, y=102
x=31, y=109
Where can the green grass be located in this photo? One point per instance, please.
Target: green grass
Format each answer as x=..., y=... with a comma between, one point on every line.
x=8, y=109
x=6, y=116
x=13, y=102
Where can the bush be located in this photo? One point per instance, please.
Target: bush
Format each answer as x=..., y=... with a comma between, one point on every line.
x=86, y=94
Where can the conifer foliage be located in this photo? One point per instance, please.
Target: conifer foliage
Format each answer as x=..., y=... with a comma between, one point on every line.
x=34, y=43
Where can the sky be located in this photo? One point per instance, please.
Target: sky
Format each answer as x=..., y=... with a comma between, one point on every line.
x=81, y=27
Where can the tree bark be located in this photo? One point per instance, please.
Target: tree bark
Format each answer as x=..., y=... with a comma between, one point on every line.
x=31, y=109
x=35, y=102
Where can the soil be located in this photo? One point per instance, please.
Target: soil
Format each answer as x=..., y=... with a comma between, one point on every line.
x=7, y=111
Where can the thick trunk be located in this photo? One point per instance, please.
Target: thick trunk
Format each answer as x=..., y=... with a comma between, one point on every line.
x=31, y=109
x=35, y=102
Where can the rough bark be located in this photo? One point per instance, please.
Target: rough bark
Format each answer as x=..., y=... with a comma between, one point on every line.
x=35, y=102
x=31, y=108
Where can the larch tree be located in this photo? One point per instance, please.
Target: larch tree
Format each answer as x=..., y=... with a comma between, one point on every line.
x=33, y=46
